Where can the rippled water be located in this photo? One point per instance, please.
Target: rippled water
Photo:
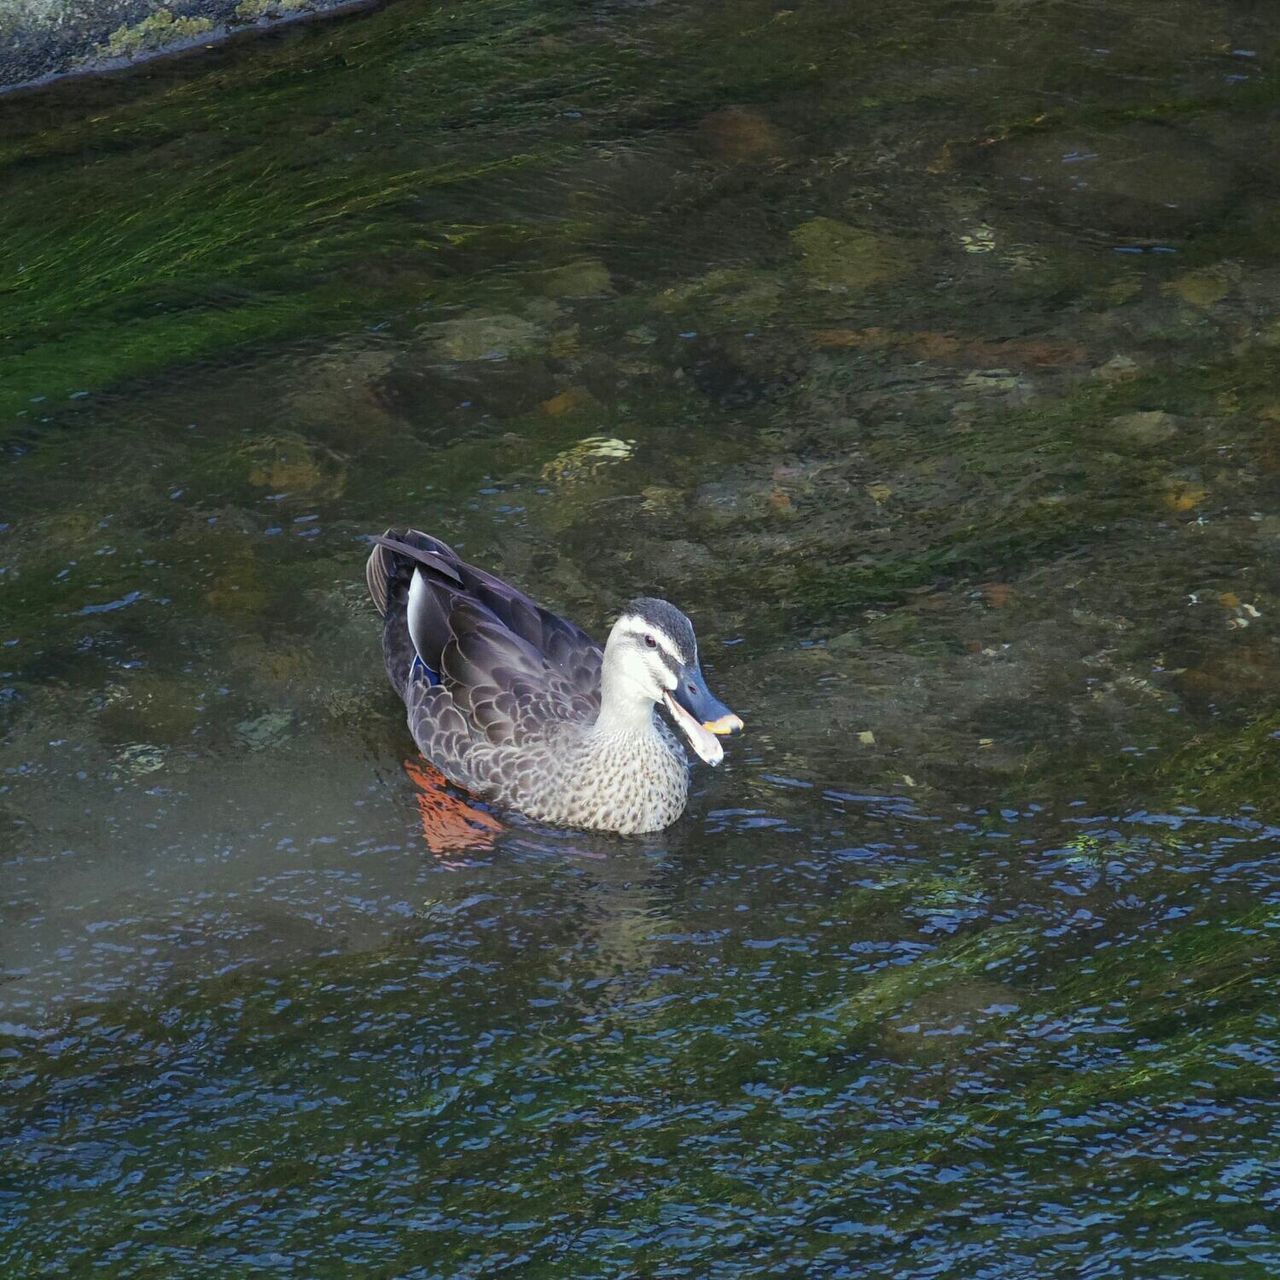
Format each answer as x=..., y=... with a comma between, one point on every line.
x=928, y=359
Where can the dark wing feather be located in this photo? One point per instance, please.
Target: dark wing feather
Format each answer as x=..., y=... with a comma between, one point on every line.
x=509, y=668
x=504, y=686
x=547, y=632
x=395, y=553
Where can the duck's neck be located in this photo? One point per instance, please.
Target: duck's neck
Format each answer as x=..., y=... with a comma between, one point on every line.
x=626, y=709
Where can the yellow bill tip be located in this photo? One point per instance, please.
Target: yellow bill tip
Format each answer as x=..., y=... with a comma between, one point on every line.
x=725, y=725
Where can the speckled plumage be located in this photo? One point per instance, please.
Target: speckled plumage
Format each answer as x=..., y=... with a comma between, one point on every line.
x=505, y=696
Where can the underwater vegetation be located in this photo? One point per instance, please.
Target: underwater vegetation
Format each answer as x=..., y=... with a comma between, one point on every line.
x=928, y=359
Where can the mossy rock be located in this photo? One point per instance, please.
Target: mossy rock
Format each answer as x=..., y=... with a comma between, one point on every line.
x=1145, y=429
x=1201, y=288
x=738, y=134
x=838, y=256
x=256, y=10
x=156, y=31
x=586, y=278
x=734, y=295
x=500, y=336
x=290, y=464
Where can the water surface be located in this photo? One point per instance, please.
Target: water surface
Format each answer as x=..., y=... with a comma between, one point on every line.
x=928, y=359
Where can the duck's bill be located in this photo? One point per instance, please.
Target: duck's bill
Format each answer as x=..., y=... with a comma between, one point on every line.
x=724, y=725
x=701, y=739
x=700, y=716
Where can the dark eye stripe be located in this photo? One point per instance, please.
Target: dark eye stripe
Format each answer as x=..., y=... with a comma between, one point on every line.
x=662, y=643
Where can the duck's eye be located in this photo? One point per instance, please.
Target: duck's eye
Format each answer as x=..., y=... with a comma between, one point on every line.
x=650, y=642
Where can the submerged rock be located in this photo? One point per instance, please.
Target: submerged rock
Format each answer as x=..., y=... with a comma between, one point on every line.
x=739, y=133
x=1119, y=368
x=1145, y=429
x=442, y=394
x=263, y=732
x=586, y=278
x=1142, y=180
x=342, y=387
x=486, y=337
x=570, y=400
x=1203, y=288
x=586, y=457
x=289, y=463
x=842, y=257
x=731, y=296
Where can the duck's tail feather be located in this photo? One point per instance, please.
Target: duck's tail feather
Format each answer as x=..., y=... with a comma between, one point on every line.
x=387, y=561
x=377, y=574
x=413, y=580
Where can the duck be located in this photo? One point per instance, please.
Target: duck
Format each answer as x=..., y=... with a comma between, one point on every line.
x=520, y=707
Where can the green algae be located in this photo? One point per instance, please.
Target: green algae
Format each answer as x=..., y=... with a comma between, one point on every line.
x=253, y=10
x=1222, y=771
x=205, y=226
x=816, y=1040
x=156, y=31
x=213, y=221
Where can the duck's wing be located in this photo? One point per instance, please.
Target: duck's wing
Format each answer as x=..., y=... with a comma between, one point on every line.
x=508, y=691
x=445, y=578
x=507, y=669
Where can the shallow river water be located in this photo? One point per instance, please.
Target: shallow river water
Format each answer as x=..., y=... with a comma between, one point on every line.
x=927, y=355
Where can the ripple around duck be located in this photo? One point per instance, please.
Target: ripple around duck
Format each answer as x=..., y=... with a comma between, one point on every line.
x=871, y=339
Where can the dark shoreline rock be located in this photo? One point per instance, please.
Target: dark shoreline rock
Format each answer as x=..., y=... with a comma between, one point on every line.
x=45, y=40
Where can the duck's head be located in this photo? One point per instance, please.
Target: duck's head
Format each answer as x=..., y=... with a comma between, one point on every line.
x=653, y=652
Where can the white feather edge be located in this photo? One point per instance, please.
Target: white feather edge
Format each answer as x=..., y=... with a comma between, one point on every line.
x=418, y=592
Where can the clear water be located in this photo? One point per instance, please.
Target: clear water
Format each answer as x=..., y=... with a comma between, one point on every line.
x=928, y=358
